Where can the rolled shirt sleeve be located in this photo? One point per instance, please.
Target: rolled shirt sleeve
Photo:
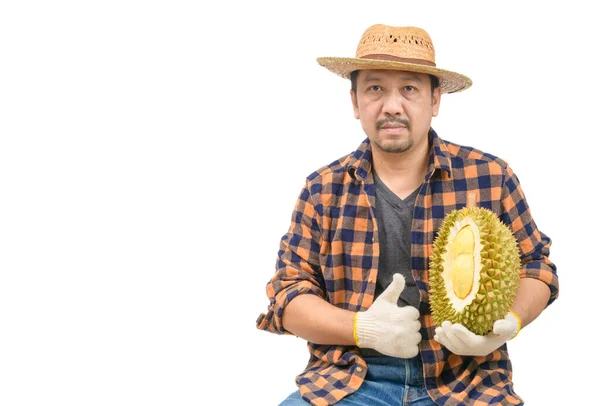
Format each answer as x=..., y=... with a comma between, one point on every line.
x=297, y=268
x=533, y=244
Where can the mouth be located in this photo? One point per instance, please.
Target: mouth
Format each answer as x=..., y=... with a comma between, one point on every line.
x=393, y=125
x=393, y=128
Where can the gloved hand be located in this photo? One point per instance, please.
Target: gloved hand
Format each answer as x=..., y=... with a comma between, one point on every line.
x=461, y=341
x=388, y=328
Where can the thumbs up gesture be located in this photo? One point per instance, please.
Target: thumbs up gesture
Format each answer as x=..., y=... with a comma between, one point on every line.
x=388, y=328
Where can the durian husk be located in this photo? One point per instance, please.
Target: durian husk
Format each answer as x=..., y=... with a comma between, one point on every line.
x=497, y=275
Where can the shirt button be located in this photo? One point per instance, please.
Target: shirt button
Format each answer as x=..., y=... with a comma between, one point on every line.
x=359, y=369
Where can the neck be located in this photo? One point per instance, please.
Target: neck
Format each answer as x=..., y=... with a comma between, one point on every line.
x=402, y=172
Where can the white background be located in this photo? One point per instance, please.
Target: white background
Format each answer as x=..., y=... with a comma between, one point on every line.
x=151, y=153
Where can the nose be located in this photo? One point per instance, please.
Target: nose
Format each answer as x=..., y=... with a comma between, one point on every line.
x=392, y=104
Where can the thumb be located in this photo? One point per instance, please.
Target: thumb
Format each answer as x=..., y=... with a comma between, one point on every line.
x=393, y=291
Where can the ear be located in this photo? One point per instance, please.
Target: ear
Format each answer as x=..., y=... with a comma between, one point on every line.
x=354, y=104
x=435, y=100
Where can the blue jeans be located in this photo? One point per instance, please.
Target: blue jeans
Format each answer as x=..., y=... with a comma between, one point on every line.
x=389, y=381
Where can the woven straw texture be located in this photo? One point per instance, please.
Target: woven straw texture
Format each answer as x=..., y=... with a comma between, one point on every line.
x=396, y=48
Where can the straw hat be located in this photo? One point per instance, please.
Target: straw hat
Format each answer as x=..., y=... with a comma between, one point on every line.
x=396, y=48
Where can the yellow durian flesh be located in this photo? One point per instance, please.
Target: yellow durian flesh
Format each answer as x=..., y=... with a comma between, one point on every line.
x=463, y=265
x=464, y=242
x=473, y=270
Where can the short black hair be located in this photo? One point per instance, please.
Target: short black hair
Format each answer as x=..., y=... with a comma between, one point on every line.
x=435, y=82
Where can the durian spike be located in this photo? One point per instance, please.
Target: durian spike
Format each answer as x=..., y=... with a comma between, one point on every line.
x=471, y=199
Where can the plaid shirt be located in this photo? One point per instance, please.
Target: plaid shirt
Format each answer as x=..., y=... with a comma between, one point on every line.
x=332, y=250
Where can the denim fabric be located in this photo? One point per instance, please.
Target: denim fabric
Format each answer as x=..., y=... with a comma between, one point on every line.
x=389, y=381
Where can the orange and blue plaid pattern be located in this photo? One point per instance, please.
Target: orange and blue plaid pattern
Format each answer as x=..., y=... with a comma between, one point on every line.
x=331, y=250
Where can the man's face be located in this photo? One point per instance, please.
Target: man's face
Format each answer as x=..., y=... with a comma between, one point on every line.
x=395, y=108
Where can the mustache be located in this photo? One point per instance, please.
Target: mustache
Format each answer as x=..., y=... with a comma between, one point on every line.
x=394, y=120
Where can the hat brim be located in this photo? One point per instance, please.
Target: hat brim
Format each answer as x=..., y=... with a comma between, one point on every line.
x=450, y=82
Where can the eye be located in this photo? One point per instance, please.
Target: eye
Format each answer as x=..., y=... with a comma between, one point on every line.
x=375, y=88
x=409, y=88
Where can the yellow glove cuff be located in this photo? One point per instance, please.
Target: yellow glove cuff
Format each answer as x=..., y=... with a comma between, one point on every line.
x=518, y=323
x=354, y=329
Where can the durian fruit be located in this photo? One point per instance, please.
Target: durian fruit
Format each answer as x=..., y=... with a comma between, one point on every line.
x=474, y=269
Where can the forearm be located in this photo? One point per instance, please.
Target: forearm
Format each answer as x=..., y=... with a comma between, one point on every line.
x=315, y=320
x=532, y=298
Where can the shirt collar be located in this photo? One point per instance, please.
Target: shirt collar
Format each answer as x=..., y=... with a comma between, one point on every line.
x=361, y=160
x=440, y=155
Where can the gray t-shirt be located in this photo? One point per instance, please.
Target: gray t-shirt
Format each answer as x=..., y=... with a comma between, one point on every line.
x=394, y=221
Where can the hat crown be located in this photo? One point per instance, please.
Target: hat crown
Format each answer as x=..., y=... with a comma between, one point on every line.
x=380, y=41
x=396, y=48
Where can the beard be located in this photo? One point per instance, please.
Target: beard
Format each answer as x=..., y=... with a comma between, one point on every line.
x=393, y=146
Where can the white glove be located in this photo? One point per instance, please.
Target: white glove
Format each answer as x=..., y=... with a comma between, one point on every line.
x=461, y=341
x=388, y=328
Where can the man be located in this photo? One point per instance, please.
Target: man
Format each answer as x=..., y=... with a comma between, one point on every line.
x=352, y=272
